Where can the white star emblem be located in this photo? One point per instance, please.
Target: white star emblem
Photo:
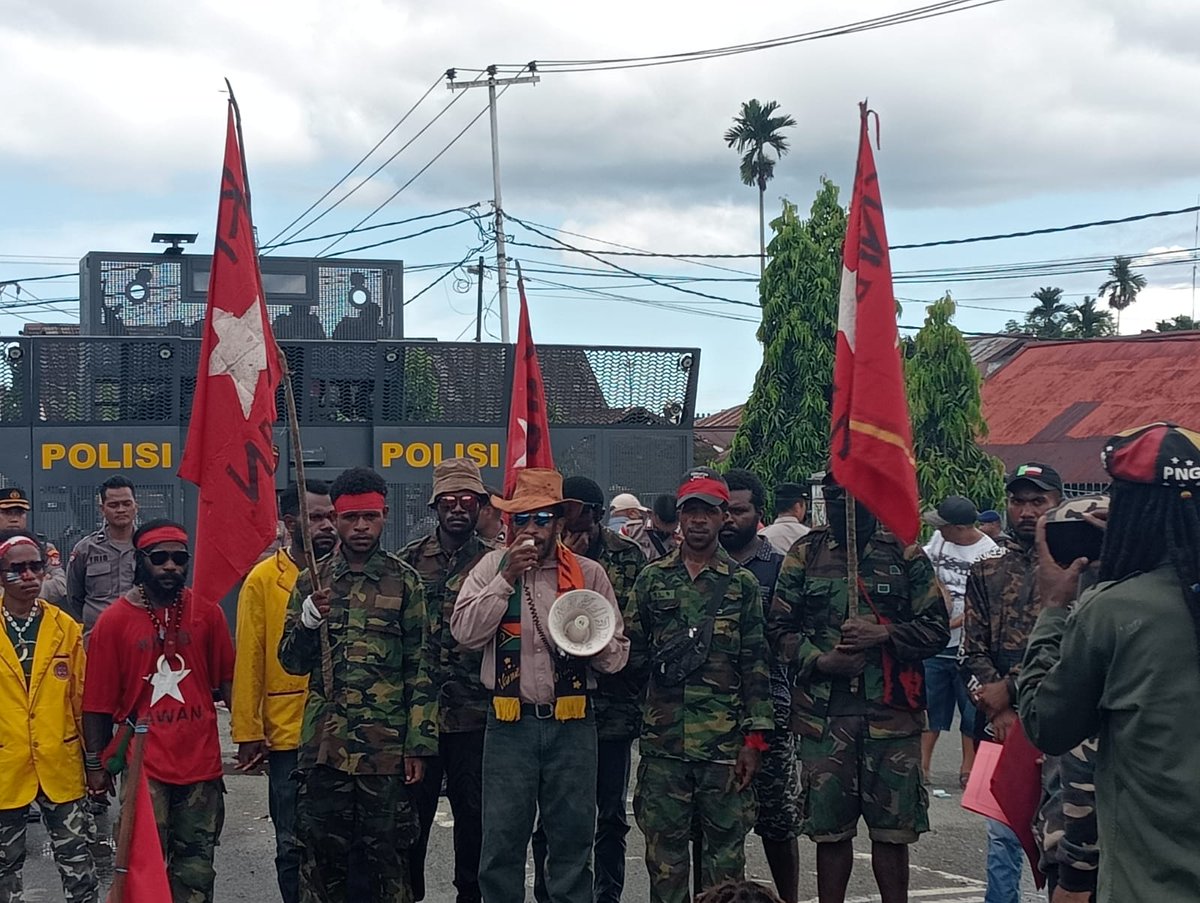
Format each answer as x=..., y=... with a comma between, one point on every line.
x=524, y=425
x=1189, y=463
x=240, y=352
x=1174, y=460
x=166, y=682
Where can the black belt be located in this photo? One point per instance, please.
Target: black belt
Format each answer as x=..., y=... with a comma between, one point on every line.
x=543, y=711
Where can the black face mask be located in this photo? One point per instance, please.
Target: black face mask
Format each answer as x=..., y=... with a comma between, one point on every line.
x=864, y=520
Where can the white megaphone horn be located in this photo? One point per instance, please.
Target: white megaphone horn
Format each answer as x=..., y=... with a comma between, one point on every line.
x=581, y=622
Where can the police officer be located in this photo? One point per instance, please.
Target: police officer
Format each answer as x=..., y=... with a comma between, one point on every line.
x=856, y=704
x=364, y=739
x=700, y=633
x=14, y=515
x=443, y=559
x=102, y=563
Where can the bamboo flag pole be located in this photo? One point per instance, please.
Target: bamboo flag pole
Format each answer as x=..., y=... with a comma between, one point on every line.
x=851, y=558
x=310, y=558
x=133, y=775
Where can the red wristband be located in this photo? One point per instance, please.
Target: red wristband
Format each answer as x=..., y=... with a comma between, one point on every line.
x=754, y=740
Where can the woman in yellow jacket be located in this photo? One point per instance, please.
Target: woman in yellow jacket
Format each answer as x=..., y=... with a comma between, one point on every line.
x=41, y=705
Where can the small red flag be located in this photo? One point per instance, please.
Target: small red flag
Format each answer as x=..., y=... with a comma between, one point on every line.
x=146, y=876
x=229, y=452
x=528, y=426
x=871, y=437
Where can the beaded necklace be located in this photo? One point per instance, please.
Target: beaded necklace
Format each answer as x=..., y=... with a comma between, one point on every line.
x=23, y=643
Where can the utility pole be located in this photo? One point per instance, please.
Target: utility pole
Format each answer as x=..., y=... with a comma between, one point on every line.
x=478, y=272
x=501, y=258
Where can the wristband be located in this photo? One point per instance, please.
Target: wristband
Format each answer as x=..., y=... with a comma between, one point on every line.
x=755, y=740
x=91, y=761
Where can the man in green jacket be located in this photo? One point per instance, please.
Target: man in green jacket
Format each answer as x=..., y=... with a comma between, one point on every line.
x=1124, y=665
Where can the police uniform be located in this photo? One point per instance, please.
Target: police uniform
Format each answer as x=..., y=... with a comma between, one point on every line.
x=100, y=571
x=356, y=734
x=860, y=750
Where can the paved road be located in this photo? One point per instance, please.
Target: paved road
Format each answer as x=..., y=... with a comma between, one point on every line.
x=948, y=863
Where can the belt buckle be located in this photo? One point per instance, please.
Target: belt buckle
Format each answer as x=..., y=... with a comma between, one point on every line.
x=540, y=707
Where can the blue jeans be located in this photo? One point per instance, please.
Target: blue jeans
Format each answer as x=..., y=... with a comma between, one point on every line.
x=281, y=803
x=1005, y=858
x=538, y=766
x=946, y=690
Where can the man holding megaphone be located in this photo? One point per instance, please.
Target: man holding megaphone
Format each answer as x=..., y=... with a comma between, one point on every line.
x=539, y=752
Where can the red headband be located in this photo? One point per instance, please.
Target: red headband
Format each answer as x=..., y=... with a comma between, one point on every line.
x=362, y=501
x=161, y=534
x=16, y=541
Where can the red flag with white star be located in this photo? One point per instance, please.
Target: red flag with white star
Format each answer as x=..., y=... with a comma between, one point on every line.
x=528, y=425
x=229, y=451
x=871, y=437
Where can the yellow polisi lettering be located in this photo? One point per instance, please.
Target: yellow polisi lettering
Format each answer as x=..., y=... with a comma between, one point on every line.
x=106, y=455
x=420, y=455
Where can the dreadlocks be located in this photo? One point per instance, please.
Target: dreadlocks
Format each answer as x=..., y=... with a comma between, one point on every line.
x=739, y=892
x=1138, y=514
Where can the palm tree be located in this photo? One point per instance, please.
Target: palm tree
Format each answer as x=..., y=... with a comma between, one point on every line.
x=755, y=129
x=1046, y=320
x=1087, y=321
x=1122, y=286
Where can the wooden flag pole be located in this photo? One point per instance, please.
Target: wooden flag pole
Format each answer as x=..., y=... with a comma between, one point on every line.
x=133, y=775
x=310, y=558
x=851, y=558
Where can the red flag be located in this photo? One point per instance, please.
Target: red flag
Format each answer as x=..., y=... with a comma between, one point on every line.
x=146, y=878
x=528, y=426
x=1017, y=787
x=229, y=452
x=871, y=436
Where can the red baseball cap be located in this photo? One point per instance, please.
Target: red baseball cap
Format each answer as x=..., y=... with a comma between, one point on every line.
x=705, y=484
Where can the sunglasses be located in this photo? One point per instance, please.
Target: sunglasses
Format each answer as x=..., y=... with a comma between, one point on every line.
x=539, y=518
x=159, y=558
x=34, y=567
x=468, y=501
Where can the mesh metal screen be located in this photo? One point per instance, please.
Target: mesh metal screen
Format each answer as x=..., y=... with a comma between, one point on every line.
x=409, y=516
x=645, y=464
x=615, y=385
x=14, y=382
x=99, y=381
x=444, y=383
x=68, y=513
x=144, y=296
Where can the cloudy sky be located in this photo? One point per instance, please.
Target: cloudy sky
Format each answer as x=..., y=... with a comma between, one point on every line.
x=1018, y=115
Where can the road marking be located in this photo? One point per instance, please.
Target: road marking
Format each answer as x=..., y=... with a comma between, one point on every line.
x=933, y=895
x=969, y=883
x=443, y=818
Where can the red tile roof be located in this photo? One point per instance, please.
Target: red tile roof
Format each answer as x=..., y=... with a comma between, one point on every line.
x=1057, y=402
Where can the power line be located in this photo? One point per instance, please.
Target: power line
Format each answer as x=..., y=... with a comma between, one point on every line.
x=916, y=14
x=355, y=167
x=390, y=241
x=345, y=232
x=4, y=282
x=475, y=252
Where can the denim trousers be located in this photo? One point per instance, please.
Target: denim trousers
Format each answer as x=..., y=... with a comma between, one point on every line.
x=531, y=767
x=460, y=759
x=612, y=824
x=1005, y=861
x=281, y=803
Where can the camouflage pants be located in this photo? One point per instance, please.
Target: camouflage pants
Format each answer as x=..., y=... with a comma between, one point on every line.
x=670, y=794
x=777, y=786
x=371, y=819
x=847, y=774
x=70, y=828
x=189, y=819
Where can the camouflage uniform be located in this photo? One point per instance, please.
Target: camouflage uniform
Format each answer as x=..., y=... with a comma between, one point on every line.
x=189, y=819
x=860, y=756
x=692, y=734
x=617, y=697
x=1000, y=610
x=1066, y=828
x=356, y=734
x=463, y=704
x=71, y=830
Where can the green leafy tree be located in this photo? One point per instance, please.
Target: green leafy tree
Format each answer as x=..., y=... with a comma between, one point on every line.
x=784, y=432
x=1046, y=321
x=755, y=129
x=1177, y=323
x=947, y=414
x=1122, y=286
x=1086, y=320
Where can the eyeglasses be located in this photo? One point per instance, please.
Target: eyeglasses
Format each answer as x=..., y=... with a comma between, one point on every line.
x=159, y=558
x=468, y=501
x=539, y=518
x=34, y=567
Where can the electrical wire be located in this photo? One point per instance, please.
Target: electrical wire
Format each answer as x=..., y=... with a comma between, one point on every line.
x=4, y=282
x=355, y=167
x=482, y=249
x=345, y=232
x=389, y=241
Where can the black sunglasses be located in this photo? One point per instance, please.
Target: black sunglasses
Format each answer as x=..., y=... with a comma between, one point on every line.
x=468, y=501
x=539, y=518
x=159, y=558
x=34, y=567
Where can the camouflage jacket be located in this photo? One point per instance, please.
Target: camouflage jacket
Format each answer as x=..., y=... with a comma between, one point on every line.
x=463, y=702
x=1000, y=610
x=381, y=707
x=617, y=698
x=707, y=717
x=811, y=604
x=1066, y=824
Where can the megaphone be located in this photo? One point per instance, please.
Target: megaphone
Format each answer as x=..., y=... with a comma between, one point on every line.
x=582, y=622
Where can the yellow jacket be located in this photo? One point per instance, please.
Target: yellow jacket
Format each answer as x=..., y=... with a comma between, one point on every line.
x=41, y=724
x=268, y=703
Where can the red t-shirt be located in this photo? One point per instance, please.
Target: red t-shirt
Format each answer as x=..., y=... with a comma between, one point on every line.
x=182, y=746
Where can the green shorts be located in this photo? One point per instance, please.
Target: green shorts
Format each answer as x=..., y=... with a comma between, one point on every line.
x=848, y=775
